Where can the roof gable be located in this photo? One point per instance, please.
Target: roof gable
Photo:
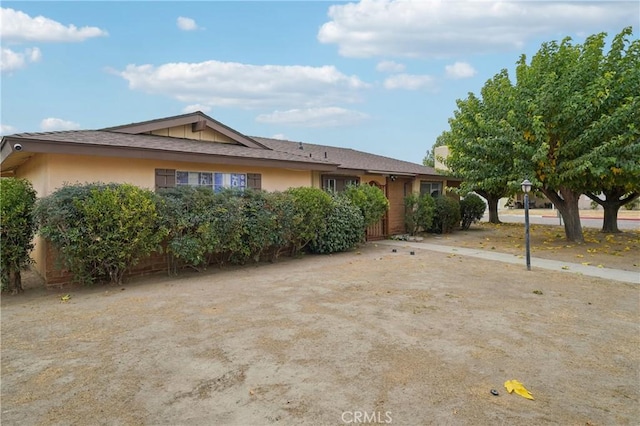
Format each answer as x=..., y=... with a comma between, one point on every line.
x=199, y=122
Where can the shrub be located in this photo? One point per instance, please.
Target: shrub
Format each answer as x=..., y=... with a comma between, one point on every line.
x=370, y=200
x=101, y=230
x=17, y=228
x=419, y=211
x=312, y=206
x=189, y=215
x=472, y=208
x=343, y=231
x=446, y=215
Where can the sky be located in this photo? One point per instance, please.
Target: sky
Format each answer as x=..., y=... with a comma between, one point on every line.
x=380, y=76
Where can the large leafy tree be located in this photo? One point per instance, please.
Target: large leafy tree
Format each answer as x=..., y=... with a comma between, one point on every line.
x=480, y=142
x=613, y=172
x=563, y=126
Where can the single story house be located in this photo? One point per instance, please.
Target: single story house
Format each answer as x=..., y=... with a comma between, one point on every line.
x=195, y=149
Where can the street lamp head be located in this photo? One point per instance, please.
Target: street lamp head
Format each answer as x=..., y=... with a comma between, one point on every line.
x=526, y=186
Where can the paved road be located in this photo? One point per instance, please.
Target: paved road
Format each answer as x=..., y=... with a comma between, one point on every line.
x=550, y=219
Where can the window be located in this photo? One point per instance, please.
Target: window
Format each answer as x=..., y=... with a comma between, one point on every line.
x=432, y=188
x=215, y=181
x=338, y=183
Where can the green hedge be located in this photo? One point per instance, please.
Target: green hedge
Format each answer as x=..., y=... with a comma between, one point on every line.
x=17, y=228
x=344, y=228
x=101, y=230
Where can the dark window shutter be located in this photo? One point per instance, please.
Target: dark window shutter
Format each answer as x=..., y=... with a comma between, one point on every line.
x=165, y=178
x=254, y=180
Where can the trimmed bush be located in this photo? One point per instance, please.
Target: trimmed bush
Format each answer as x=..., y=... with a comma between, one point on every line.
x=419, y=211
x=446, y=215
x=370, y=200
x=101, y=230
x=189, y=216
x=17, y=228
x=312, y=206
x=343, y=230
x=472, y=208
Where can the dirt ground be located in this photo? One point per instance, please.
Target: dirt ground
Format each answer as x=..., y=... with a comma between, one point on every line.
x=366, y=335
x=617, y=251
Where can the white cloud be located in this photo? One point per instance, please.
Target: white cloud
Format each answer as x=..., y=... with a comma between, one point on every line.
x=6, y=129
x=408, y=82
x=215, y=83
x=52, y=124
x=390, y=66
x=186, y=24
x=280, y=136
x=460, y=70
x=314, y=117
x=437, y=28
x=196, y=107
x=17, y=26
x=11, y=60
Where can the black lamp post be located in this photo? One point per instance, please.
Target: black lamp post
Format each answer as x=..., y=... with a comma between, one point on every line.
x=526, y=187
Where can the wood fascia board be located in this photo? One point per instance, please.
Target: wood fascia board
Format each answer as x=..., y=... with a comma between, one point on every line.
x=71, y=148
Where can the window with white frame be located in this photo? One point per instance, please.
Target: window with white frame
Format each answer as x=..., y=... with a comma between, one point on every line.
x=214, y=180
x=432, y=188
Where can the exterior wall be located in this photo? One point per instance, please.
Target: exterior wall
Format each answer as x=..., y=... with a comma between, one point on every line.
x=75, y=168
x=441, y=152
x=36, y=170
x=185, y=132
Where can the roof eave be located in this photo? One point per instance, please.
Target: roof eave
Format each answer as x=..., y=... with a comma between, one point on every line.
x=34, y=146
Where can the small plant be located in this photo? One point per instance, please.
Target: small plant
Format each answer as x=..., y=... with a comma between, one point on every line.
x=472, y=208
x=594, y=205
x=17, y=228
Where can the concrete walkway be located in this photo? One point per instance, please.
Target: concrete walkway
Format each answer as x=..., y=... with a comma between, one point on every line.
x=536, y=262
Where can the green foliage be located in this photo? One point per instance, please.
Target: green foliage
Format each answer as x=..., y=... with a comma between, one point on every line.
x=101, y=230
x=419, y=212
x=481, y=138
x=370, y=200
x=446, y=215
x=343, y=230
x=312, y=206
x=17, y=228
x=472, y=208
x=190, y=216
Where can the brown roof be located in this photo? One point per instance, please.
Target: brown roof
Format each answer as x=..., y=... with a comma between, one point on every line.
x=108, y=143
x=133, y=141
x=348, y=158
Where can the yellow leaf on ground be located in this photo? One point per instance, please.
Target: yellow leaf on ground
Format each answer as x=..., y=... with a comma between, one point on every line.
x=517, y=387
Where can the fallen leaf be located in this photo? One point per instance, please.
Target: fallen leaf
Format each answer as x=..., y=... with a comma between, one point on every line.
x=517, y=387
x=65, y=298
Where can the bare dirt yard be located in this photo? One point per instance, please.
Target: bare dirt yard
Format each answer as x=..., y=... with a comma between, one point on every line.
x=366, y=335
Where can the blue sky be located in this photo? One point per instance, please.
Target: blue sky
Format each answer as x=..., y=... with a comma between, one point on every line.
x=378, y=76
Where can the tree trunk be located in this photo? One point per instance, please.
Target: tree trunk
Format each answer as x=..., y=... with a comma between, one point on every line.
x=492, y=202
x=610, y=222
x=567, y=203
x=611, y=205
